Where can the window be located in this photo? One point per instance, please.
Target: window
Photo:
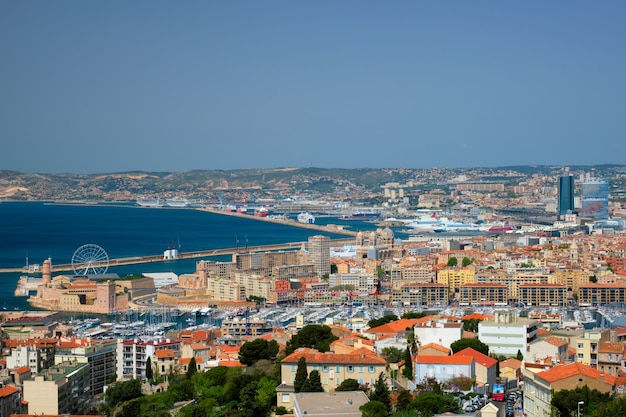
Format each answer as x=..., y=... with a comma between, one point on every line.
x=324, y=368
x=361, y=369
x=293, y=368
x=349, y=368
x=284, y=398
x=580, y=346
x=580, y=356
x=371, y=369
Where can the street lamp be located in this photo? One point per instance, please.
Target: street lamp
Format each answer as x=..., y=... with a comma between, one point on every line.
x=579, y=404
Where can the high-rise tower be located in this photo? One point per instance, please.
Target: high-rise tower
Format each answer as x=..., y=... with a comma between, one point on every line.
x=595, y=199
x=566, y=195
x=319, y=254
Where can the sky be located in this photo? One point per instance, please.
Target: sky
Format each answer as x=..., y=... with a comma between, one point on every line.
x=116, y=86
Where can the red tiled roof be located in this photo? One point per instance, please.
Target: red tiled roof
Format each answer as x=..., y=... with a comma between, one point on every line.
x=555, y=341
x=511, y=363
x=478, y=357
x=436, y=347
x=8, y=390
x=449, y=360
x=358, y=357
x=396, y=326
x=561, y=372
x=164, y=354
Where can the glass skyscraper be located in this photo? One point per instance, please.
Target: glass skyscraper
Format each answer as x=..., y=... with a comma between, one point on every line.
x=595, y=199
x=566, y=195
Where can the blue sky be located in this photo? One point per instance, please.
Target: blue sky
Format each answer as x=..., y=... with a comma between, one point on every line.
x=111, y=86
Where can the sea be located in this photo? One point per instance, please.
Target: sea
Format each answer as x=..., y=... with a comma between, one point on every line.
x=31, y=232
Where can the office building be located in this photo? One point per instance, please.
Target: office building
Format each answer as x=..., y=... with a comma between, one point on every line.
x=595, y=199
x=566, y=195
x=319, y=254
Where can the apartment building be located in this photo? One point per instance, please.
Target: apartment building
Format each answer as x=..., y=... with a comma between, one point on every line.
x=543, y=295
x=483, y=294
x=507, y=335
x=611, y=358
x=601, y=294
x=588, y=345
x=423, y=294
x=59, y=390
x=100, y=356
x=131, y=356
x=10, y=401
x=454, y=278
x=334, y=368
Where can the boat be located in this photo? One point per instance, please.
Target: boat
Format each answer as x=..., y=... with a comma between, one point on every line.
x=307, y=218
x=150, y=202
x=365, y=215
x=452, y=226
x=503, y=228
x=427, y=223
x=177, y=202
x=261, y=212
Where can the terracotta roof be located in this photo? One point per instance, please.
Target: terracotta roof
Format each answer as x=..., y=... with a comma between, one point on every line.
x=451, y=360
x=611, y=347
x=436, y=347
x=8, y=390
x=478, y=357
x=164, y=354
x=555, y=341
x=358, y=357
x=230, y=364
x=396, y=326
x=22, y=370
x=511, y=363
x=561, y=372
x=478, y=316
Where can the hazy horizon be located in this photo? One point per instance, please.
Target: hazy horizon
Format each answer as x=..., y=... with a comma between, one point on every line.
x=156, y=86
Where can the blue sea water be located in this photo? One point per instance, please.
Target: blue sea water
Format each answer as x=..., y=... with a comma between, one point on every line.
x=35, y=231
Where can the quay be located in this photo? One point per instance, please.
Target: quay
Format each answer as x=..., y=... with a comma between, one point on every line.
x=187, y=255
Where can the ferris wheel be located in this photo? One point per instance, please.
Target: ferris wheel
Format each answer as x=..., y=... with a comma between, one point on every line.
x=90, y=259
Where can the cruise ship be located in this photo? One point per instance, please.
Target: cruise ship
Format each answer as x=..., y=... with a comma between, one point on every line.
x=150, y=202
x=177, y=202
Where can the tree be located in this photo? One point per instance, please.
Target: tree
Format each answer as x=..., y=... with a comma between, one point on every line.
x=192, y=368
x=301, y=375
x=316, y=336
x=566, y=401
x=403, y=400
x=475, y=344
x=407, y=372
x=313, y=383
x=374, y=409
x=391, y=354
x=453, y=261
x=122, y=392
x=149, y=369
x=257, y=349
x=349, y=384
x=383, y=320
x=471, y=325
x=381, y=391
x=519, y=355
x=466, y=262
x=430, y=403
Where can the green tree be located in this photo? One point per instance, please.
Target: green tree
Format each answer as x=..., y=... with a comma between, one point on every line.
x=381, y=391
x=122, y=392
x=475, y=344
x=391, y=354
x=349, y=384
x=413, y=315
x=453, y=261
x=519, y=356
x=257, y=349
x=374, y=409
x=407, y=371
x=192, y=368
x=403, y=399
x=466, y=262
x=313, y=383
x=471, y=325
x=565, y=402
x=616, y=407
x=316, y=336
x=149, y=369
x=301, y=375
x=383, y=320
x=430, y=403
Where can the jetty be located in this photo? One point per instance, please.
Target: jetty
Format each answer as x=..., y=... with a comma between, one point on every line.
x=187, y=255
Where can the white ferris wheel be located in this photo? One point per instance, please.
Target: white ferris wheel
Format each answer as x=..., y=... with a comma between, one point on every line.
x=90, y=259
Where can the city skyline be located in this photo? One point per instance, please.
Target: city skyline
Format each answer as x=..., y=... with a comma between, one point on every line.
x=156, y=86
